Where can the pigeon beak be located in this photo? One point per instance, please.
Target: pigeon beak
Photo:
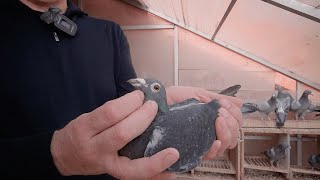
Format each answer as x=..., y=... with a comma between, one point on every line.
x=137, y=82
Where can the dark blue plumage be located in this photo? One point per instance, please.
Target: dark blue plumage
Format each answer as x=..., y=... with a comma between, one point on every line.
x=188, y=126
x=277, y=153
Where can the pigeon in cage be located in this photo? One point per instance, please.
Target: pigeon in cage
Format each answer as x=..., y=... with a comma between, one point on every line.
x=263, y=107
x=277, y=153
x=314, y=161
x=304, y=105
x=188, y=126
x=283, y=106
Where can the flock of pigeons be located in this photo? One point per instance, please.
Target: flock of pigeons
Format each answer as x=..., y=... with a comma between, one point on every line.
x=281, y=103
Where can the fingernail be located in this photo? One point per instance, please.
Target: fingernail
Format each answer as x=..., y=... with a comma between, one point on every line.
x=225, y=104
x=170, y=159
x=223, y=112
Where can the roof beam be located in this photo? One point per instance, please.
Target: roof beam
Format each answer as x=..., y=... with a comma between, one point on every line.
x=298, y=8
x=224, y=18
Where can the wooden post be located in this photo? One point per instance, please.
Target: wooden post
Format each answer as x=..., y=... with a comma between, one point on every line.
x=242, y=154
x=299, y=136
x=234, y=155
x=285, y=138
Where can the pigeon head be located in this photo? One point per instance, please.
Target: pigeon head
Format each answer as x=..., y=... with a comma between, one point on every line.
x=284, y=146
x=153, y=90
x=279, y=88
x=280, y=91
x=281, y=117
x=307, y=92
x=273, y=97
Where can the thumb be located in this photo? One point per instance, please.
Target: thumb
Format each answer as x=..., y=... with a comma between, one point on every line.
x=148, y=167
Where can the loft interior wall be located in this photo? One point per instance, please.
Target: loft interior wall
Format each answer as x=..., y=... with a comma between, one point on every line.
x=281, y=37
x=204, y=16
x=201, y=62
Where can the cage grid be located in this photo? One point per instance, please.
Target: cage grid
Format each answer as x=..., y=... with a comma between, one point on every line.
x=218, y=165
x=304, y=170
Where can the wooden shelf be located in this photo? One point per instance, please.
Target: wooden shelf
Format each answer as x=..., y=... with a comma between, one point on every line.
x=290, y=127
x=220, y=166
x=304, y=170
x=261, y=163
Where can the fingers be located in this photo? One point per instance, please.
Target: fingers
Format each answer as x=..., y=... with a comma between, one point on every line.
x=213, y=150
x=233, y=110
x=112, y=112
x=165, y=176
x=223, y=134
x=230, y=137
x=129, y=128
x=147, y=167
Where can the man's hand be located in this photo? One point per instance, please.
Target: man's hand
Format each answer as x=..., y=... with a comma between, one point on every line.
x=89, y=144
x=227, y=124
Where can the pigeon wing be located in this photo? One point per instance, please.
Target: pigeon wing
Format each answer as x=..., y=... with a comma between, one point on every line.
x=264, y=107
x=190, y=130
x=231, y=91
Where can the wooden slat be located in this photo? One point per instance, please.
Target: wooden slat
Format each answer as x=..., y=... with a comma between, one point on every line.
x=259, y=163
x=218, y=165
x=282, y=131
x=304, y=170
x=216, y=170
x=301, y=124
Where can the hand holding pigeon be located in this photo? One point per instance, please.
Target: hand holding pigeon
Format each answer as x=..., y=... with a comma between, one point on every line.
x=227, y=127
x=188, y=126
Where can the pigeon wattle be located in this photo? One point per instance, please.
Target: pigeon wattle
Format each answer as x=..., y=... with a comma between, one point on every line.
x=277, y=153
x=188, y=126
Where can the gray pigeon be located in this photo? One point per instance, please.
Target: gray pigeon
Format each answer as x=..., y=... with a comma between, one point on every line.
x=277, y=153
x=231, y=91
x=188, y=126
x=283, y=106
x=314, y=161
x=263, y=107
x=303, y=106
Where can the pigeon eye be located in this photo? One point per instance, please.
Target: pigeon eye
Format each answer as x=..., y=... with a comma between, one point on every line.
x=155, y=87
